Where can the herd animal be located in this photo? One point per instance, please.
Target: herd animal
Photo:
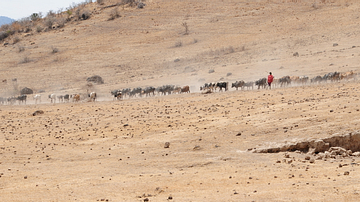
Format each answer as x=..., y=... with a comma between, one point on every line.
x=163, y=90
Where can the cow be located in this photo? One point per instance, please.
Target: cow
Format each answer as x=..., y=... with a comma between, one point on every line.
x=117, y=94
x=208, y=87
x=222, y=85
x=21, y=98
x=261, y=83
x=37, y=97
x=238, y=84
x=316, y=79
x=332, y=76
x=66, y=97
x=135, y=91
x=177, y=90
x=303, y=79
x=2, y=100
x=52, y=98
x=185, y=89
x=125, y=92
x=249, y=84
x=148, y=91
x=162, y=90
x=76, y=98
x=92, y=96
x=60, y=98
x=284, y=81
x=347, y=75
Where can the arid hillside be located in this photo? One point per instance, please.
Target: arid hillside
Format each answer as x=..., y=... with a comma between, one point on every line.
x=297, y=142
x=150, y=46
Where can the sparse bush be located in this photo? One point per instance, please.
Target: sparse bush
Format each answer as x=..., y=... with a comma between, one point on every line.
x=211, y=71
x=114, y=14
x=25, y=60
x=82, y=14
x=35, y=17
x=54, y=50
x=101, y=2
x=186, y=26
x=21, y=49
x=16, y=40
x=229, y=74
x=130, y=2
x=178, y=44
x=39, y=29
x=229, y=49
x=195, y=41
x=49, y=22
x=3, y=35
x=61, y=22
x=51, y=13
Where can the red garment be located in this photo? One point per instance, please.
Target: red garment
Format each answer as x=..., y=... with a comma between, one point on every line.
x=270, y=78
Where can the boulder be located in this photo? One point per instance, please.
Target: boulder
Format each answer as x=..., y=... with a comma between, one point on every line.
x=26, y=91
x=95, y=79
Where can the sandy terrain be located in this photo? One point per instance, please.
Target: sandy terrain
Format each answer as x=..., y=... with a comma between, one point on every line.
x=115, y=150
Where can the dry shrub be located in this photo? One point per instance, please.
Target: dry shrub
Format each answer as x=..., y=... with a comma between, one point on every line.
x=21, y=49
x=16, y=40
x=39, y=29
x=114, y=14
x=16, y=27
x=54, y=50
x=26, y=59
x=101, y=2
x=130, y=2
x=186, y=26
x=49, y=22
x=178, y=44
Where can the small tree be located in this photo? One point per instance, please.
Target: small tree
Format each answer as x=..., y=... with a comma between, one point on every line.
x=186, y=26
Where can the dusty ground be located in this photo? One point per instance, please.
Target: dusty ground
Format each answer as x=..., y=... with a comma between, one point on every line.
x=114, y=150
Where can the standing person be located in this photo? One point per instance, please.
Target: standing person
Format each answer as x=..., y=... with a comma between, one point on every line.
x=270, y=79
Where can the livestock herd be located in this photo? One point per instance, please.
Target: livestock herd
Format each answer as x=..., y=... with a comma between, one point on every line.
x=52, y=97
x=172, y=89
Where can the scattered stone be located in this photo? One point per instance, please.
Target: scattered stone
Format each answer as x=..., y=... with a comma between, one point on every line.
x=26, y=91
x=307, y=157
x=312, y=160
x=37, y=112
x=25, y=177
x=170, y=198
x=346, y=173
x=335, y=44
x=196, y=148
x=167, y=145
x=239, y=134
x=296, y=54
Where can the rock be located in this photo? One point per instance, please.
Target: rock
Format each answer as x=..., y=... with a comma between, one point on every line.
x=167, y=145
x=196, y=148
x=346, y=173
x=239, y=134
x=95, y=79
x=37, y=112
x=307, y=157
x=141, y=5
x=296, y=54
x=26, y=91
x=312, y=160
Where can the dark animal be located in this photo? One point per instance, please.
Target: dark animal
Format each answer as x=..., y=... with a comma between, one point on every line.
x=135, y=91
x=222, y=85
x=148, y=91
x=117, y=94
x=67, y=97
x=165, y=89
x=21, y=98
x=332, y=76
x=60, y=98
x=208, y=87
x=316, y=79
x=261, y=83
x=284, y=81
x=238, y=84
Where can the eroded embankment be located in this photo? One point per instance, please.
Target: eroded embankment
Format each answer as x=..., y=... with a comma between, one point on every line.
x=330, y=147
